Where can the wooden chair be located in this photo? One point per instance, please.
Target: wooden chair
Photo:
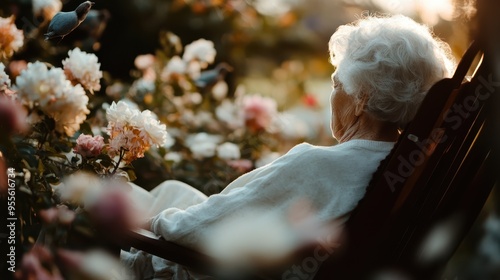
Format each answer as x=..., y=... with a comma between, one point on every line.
x=430, y=188
x=432, y=185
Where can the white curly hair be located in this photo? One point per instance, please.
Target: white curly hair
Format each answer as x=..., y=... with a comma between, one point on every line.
x=391, y=61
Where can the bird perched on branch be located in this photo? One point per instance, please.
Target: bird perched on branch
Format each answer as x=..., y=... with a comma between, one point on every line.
x=64, y=22
x=210, y=77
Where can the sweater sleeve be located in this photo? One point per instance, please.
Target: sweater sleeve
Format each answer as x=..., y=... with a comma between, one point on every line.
x=332, y=181
x=264, y=195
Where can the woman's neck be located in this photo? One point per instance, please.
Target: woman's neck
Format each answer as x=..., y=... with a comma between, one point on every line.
x=369, y=128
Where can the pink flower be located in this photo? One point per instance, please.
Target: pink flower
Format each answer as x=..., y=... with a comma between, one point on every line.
x=13, y=116
x=89, y=146
x=259, y=112
x=112, y=213
x=57, y=215
x=91, y=264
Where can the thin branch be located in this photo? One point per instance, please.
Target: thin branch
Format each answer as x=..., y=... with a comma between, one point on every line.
x=122, y=153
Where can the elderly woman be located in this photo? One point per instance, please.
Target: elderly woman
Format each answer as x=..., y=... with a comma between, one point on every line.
x=384, y=67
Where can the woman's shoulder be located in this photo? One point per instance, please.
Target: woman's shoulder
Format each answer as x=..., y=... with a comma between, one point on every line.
x=346, y=147
x=344, y=154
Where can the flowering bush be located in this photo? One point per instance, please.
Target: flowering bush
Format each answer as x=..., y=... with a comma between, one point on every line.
x=69, y=181
x=73, y=141
x=214, y=135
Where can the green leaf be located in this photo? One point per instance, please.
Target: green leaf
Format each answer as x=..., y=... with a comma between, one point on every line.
x=104, y=160
x=28, y=153
x=52, y=179
x=51, y=124
x=131, y=174
x=63, y=146
x=51, y=167
x=86, y=129
x=75, y=159
x=41, y=167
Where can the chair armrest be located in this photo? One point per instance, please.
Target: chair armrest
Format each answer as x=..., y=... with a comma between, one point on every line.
x=149, y=242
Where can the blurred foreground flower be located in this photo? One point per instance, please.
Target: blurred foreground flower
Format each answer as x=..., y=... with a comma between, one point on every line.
x=60, y=214
x=113, y=212
x=12, y=113
x=11, y=38
x=89, y=146
x=81, y=67
x=268, y=239
x=12, y=116
x=38, y=263
x=94, y=264
x=79, y=188
x=3, y=176
x=132, y=132
x=53, y=94
x=107, y=201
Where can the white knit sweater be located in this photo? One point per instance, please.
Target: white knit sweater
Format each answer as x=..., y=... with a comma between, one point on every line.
x=331, y=180
x=263, y=213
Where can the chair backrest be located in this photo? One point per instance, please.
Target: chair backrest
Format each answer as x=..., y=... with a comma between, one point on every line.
x=427, y=193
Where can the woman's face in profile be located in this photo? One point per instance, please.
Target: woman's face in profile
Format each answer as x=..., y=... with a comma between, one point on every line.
x=342, y=110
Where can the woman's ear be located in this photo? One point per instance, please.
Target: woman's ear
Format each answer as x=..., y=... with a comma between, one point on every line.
x=360, y=105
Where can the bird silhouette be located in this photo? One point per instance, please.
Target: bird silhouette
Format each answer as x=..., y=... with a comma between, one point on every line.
x=210, y=77
x=64, y=22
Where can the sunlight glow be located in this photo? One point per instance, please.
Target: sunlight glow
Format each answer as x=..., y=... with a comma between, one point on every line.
x=273, y=7
x=430, y=11
x=406, y=7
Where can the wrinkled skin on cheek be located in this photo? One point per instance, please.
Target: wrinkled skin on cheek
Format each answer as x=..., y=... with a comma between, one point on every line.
x=342, y=112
